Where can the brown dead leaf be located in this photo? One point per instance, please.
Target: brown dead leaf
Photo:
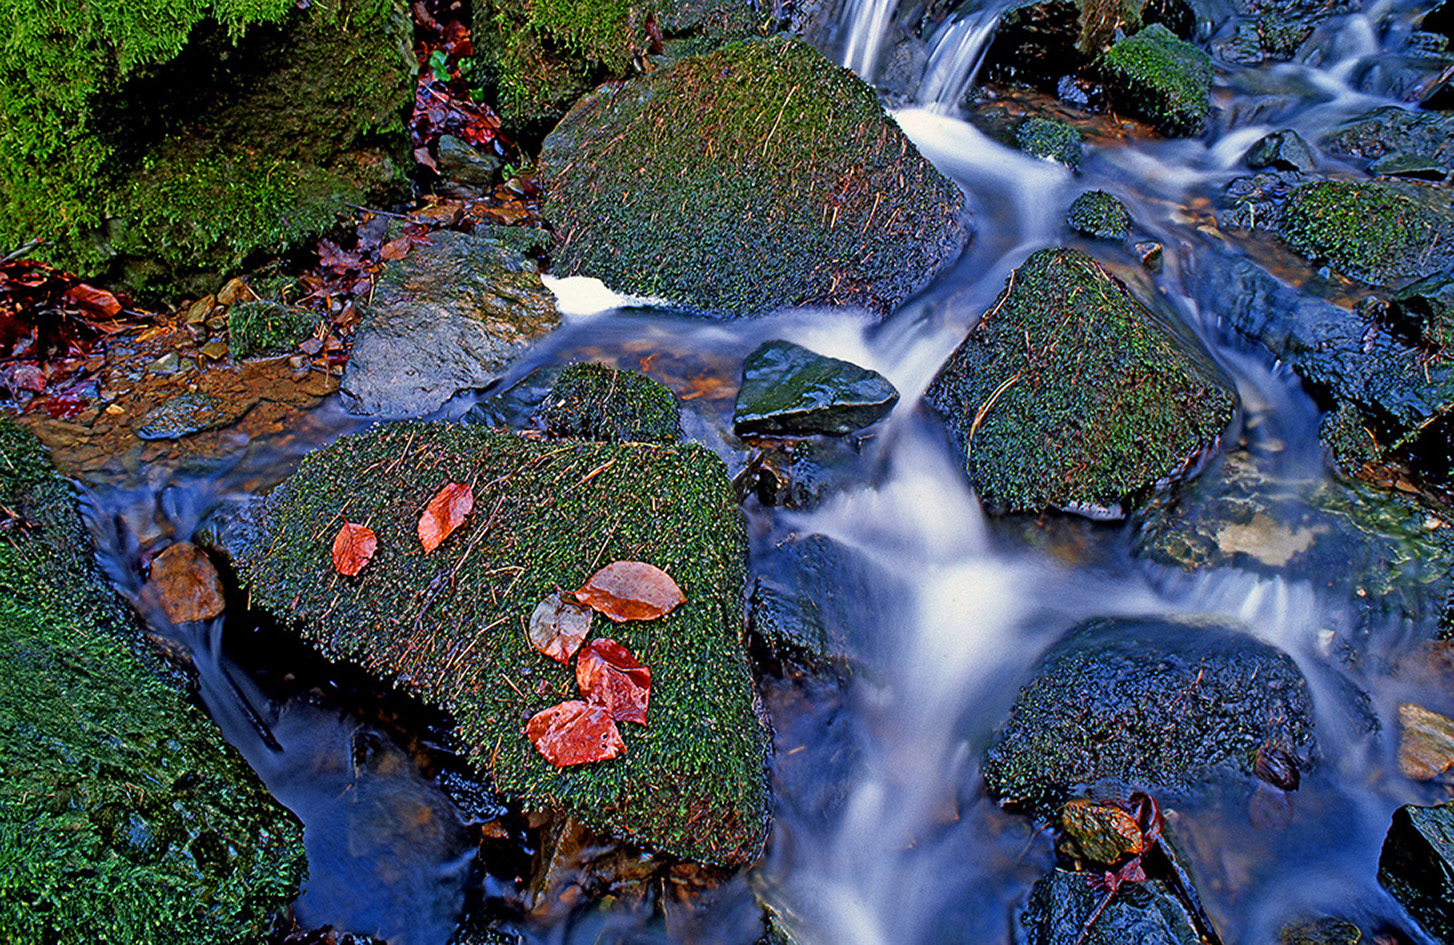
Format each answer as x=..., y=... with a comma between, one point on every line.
x=186, y=584
x=353, y=546
x=631, y=590
x=611, y=677
x=98, y=302
x=575, y=733
x=395, y=249
x=558, y=626
x=444, y=513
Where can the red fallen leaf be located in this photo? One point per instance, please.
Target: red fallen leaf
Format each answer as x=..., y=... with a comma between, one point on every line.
x=574, y=733
x=353, y=546
x=395, y=249
x=186, y=584
x=97, y=301
x=631, y=590
x=612, y=678
x=558, y=626
x=444, y=513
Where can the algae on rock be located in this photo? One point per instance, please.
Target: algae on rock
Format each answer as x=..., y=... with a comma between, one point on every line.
x=450, y=626
x=1372, y=231
x=123, y=815
x=756, y=177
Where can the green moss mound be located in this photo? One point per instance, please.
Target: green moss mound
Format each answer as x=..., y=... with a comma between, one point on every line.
x=1161, y=79
x=1370, y=231
x=450, y=626
x=123, y=816
x=1068, y=395
x=1098, y=214
x=756, y=177
x=1053, y=140
x=596, y=402
x=263, y=327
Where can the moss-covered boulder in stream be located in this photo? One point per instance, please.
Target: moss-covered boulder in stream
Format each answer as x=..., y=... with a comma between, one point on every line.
x=1069, y=394
x=1372, y=231
x=1161, y=79
x=756, y=177
x=162, y=141
x=598, y=402
x=450, y=626
x=123, y=815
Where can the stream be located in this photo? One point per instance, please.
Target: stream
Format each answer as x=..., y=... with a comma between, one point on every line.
x=880, y=836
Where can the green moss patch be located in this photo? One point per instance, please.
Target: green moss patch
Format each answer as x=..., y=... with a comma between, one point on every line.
x=1370, y=231
x=1097, y=213
x=451, y=626
x=1053, y=140
x=1161, y=79
x=263, y=327
x=756, y=177
x=123, y=816
x=597, y=402
x=1068, y=395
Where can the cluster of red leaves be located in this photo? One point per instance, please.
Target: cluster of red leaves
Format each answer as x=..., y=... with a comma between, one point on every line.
x=444, y=106
x=355, y=544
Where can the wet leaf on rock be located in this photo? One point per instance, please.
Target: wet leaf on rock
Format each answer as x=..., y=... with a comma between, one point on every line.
x=611, y=677
x=395, y=249
x=575, y=733
x=444, y=513
x=353, y=546
x=631, y=590
x=186, y=584
x=558, y=626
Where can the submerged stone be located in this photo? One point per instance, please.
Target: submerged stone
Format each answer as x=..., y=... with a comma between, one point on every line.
x=788, y=389
x=1372, y=231
x=753, y=178
x=1281, y=150
x=187, y=413
x=1062, y=903
x=1417, y=866
x=1052, y=140
x=596, y=402
x=1100, y=215
x=1089, y=426
x=1161, y=79
x=1326, y=931
x=449, y=627
x=1108, y=702
x=448, y=316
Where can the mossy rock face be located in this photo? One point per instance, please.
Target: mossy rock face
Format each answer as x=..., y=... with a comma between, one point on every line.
x=450, y=626
x=1053, y=140
x=163, y=140
x=123, y=815
x=1098, y=214
x=597, y=402
x=757, y=177
x=1160, y=79
x=1067, y=394
x=1375, y=232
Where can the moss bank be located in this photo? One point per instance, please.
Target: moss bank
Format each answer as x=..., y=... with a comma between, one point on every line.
x=450, y=627
x=597, y=402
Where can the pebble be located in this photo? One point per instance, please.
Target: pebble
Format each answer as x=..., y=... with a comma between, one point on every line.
x=168, y=363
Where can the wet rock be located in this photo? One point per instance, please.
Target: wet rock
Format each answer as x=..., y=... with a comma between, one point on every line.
x=465, y=173
x=166, y=365
x=1414, y=166
x=797, y=474
x=1423, y=311
x=1099, y=215
x=187, y=413
x=1161, y=79
x=788, y=389
x=1282, y=151
x=1393, y=130
x=1417, y=866
x=1426, y=742
x=596, y=402
x=445, y=626
x=1152, y=257
x=684, y=217
x=1440, y=20
x=1052, y=140
x=448, y=316
x=185, y=584
x=263, y=327
x=1327, y=931
x=1110, y=701
x=1274, y=30
x=124, y=808
x=1372, y=231
x=1089, y=427
x=1063, y=902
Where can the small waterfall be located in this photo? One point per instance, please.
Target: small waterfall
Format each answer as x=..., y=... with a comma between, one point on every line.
x=866, y=28
x=958, y=49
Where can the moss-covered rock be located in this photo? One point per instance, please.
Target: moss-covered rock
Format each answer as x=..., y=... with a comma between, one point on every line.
x=1372, y=231
x=123, y=816
x=1161, y=79
x=756, y=177
x=167, y=139
x=264, y=327
x=451, y=626
x=1068, y=394
x=1053, y=140
x=597, y=402
x=1099, y=214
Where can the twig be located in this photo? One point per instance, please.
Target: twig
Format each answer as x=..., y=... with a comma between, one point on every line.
x=11, y=257
x=382, y=213
x=984, y=409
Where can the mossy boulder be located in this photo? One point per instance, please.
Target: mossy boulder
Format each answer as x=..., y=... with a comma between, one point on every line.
x=756, y=177
x=1390, y=131
x=1161, y=79
x=123, y=815
x=1100, y=215
x=596, y=402
x=1069, y=394
x=1372, y=231
x=1052, y=140
x=160, y=142
x=450, y=627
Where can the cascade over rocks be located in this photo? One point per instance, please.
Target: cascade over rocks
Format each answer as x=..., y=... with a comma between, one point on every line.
x=755, y=177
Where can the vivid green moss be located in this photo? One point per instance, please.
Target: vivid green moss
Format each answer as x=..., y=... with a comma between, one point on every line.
x=1097, y=213
x=450, y=626
x=756, y=177
x=123, y=816
x=1068, y=395
x=596, y=402
x=264, y=327
x=1161, y=79
x=1055, y=140
x=1371, y=231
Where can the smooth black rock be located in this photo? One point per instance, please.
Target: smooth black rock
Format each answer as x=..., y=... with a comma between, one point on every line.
x=1417, y=866
x=1282, y=150
x=1061, y=903
x=788, y=389
x=1424, y=310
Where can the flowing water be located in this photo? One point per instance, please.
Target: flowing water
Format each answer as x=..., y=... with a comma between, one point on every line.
x=880, y=835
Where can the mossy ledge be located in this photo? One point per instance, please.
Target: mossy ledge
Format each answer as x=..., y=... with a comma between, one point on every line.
x=450, y=627
x=756, y=177
x=123, y=815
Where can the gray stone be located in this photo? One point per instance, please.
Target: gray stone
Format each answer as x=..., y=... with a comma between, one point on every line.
x=1281, y=150
x=464, y=171
x=1062, y=903
x=1417, y=866
x=186, y=414
x=788, y=389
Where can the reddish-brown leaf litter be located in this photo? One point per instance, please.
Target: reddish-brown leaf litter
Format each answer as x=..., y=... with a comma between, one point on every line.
x=559, y=626
x=575, y=733
x=444, y=513
x=631, y=590
x=353, y=546
x=610, y=676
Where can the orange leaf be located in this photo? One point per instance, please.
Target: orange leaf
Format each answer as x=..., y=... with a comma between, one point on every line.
x=444, y=513
x=97, y=301
x=395, y=249
x=558, y=625
x=574, y=733
x=353, y=546
x=186, y=584
x=631, y=590
x=610, y=677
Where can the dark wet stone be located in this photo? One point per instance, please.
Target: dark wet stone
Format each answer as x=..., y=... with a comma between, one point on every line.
x=1274, y=30
x=1062, y=903
x=465, y=172
x=188, y=413
x=1281, y=150
x=1417, y=866
x=1416, y=166
x=1394, y=130
x=1053, y=140
x=1160, y=79
x=595, y=402
x=1100, y=215
x=1109, y=702
x=1424, y=311
x=1440, y=20
x=797, y=474
x=450, y=315
x=788, y=389
x=1320, y=932
x=1257, y=201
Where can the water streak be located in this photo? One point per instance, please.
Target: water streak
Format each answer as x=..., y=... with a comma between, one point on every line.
x=958, y=49
x=867, y=26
